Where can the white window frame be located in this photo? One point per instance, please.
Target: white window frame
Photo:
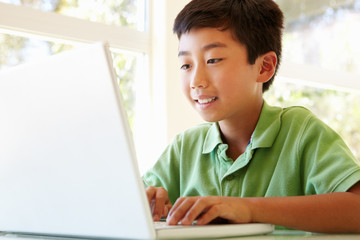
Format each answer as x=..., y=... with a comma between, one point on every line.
x=49, y=25
x=318, y=77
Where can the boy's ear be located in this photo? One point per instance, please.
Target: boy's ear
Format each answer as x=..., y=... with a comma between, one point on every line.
x=268, y=63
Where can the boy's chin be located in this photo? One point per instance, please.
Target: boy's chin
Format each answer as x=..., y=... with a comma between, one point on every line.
x=209, y=119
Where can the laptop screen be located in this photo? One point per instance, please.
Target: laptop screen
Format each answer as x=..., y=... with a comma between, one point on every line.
x=66, y=154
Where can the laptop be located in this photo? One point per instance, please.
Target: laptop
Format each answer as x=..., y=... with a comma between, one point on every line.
x=67, y=159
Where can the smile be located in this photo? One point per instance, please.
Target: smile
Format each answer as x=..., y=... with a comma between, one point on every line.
x=207, y=100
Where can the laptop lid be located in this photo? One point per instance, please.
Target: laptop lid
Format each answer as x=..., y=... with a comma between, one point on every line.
x=67, y=160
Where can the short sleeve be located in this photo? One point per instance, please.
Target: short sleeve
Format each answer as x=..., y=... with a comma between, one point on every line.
x=328, y=164
x=165, y=172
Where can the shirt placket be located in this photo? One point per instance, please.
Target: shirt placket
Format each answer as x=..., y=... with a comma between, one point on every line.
x=231, y=179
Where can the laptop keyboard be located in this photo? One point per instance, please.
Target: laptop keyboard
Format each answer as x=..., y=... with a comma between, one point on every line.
x=163, y=224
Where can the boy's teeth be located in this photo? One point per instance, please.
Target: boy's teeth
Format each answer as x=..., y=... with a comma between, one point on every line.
x=206, y=100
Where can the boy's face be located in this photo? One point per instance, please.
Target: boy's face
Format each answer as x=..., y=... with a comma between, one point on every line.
x=216, y=76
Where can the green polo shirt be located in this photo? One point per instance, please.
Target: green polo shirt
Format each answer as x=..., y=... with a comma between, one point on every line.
x=291, y=153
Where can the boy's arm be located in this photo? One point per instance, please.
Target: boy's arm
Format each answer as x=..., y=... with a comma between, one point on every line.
x=332, y=212
x=326, y=213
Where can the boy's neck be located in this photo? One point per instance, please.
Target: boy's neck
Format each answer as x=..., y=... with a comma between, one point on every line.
x=237, y=132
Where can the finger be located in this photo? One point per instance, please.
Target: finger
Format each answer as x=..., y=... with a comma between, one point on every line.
x=199, y=208
x=179, y=210
x=176, y=205
x=150, y=193
x=161, y=199
x=212, y=213
x=166, y=210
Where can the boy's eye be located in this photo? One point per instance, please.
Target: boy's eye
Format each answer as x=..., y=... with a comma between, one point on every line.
x=214, y=60
x=185, y=67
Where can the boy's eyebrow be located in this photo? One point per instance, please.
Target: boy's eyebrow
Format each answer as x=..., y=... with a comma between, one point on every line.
x=204, y=48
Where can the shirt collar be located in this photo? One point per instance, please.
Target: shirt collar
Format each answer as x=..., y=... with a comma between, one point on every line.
x=268, y=126
x=264, y=135
x=212, y=139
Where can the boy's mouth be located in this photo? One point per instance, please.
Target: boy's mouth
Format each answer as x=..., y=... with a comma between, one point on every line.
x=206, y=100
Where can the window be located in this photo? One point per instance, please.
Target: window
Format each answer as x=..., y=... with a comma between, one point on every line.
x=128, y=13
x=31, y=29
x=321, y=68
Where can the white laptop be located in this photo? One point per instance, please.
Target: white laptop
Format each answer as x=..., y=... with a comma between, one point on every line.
x=67, y=160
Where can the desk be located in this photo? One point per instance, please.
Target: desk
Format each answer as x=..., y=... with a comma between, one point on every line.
x=298, y=235
x=276, y=235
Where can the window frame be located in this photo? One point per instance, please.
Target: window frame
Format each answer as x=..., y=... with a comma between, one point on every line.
x=318, y=77
x=28, y=21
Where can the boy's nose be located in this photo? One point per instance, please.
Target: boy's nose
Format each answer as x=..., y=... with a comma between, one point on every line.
x=199, y=79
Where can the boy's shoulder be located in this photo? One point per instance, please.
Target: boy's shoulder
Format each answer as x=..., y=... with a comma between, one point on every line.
x=297, y=112
x=297, y=116
x=278, y=125
x=292, y=113
x=274, y=119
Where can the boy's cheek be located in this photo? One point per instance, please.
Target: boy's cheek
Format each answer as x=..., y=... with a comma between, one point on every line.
x=186, y=92
x=185, y=87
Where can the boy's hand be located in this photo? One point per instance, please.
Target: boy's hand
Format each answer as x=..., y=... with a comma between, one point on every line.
x=206, y=209
x=159, y=202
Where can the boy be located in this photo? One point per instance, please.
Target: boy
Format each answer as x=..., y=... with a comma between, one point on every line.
x=251, y=162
